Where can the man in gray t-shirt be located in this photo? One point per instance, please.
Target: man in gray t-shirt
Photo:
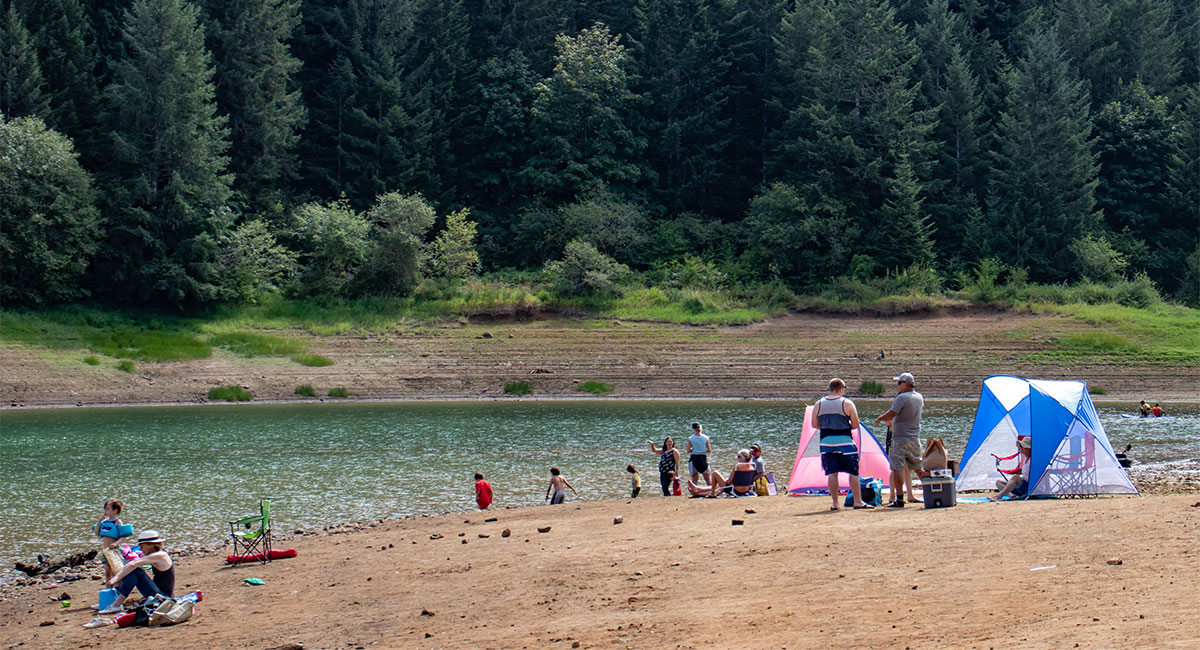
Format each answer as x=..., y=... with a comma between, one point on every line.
x=905, y=455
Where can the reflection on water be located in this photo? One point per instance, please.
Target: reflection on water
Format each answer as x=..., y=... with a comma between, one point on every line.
x=187, y=470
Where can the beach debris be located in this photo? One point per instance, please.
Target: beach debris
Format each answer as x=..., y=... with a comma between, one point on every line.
x=1196, y=504
x=505, y=533
x=491, y=519
x=426, y=612
x=1115, y=561
x=46, y=623
x=544, y=530
x=1043, y=568
x=464, y=541
x=466, y=521
x=738, y=522
x=44, y=566
x=254, y=581
x=428, y=635
x=435, y=536
x=462, y=534
x=63, y=597
x=295, y=645
x=485, y=335
x=617, y=520
x=751, y=511
x=575, y=644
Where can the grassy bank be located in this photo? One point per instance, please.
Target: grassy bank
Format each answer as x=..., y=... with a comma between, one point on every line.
x=1124, y=323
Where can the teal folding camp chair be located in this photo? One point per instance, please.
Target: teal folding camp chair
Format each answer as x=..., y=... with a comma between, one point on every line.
x=251, y=541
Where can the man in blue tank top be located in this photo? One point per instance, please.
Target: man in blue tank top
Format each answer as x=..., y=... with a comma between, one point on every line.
x=836, y=418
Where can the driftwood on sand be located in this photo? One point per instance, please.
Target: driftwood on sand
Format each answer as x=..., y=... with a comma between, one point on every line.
x=43, y=566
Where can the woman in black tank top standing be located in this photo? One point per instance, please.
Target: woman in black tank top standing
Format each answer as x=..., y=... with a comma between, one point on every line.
x=668, y=463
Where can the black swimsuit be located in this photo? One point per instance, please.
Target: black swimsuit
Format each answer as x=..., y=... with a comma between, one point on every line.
x=666, y=465
x=165, y=580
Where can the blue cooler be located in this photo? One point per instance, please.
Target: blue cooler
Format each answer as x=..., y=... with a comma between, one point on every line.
x=108, y=597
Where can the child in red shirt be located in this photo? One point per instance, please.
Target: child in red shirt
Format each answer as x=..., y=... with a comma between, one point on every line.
x=483, y=492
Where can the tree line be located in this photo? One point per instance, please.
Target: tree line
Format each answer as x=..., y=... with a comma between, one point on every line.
x=167, y=152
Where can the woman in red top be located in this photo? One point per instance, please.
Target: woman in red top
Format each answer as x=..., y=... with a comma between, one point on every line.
x=483, y=492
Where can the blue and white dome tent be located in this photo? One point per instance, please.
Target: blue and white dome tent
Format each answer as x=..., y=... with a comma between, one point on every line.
x=1071, y=454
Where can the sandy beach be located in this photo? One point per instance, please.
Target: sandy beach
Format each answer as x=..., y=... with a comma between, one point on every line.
x=1117, y=572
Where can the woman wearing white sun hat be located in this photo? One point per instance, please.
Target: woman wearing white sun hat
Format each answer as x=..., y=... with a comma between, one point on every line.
x=132, y=576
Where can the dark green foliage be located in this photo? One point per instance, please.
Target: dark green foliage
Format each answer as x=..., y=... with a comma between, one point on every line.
x=843, y=146
x=594, y=387
x=585, y=141
x=585, y=271
x=399, y=224
x=312, y=360
x=340, y=392
x=1044, y=176
x=255, y=87
x=166, y=182
x=126, y=366
x=49, y=225
x=21, y=82
x=871, y=388
x=68, y=55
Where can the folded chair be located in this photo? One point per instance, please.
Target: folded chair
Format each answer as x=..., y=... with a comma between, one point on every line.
x=253, y=541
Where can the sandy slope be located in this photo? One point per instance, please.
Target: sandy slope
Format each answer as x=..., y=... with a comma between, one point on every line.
x=677, y=574
x=786, y=357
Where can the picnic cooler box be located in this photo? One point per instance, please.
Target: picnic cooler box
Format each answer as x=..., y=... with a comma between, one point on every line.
x=939, y=492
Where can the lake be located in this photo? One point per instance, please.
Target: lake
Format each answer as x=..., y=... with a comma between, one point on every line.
x=186, y=470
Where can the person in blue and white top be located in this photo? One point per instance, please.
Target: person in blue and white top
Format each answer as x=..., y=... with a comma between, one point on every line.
x=836, y=418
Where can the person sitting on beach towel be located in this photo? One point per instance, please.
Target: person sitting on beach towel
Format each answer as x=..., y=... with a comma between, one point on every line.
x=1017, y=484
x=740, y=482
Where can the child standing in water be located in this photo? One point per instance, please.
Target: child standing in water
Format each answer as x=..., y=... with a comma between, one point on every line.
x=483, y=492
x=637, y=479
x=557, y=484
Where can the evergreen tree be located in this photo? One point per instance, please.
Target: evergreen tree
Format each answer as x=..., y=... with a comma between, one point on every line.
x=749, y=32
x=682, y=68
x=168, y=196
x=801, y=240
x=255, y=85
x=1085, y=30
x=903, y=223
x=949, y=86
x=858, y=131
x=1181, y=228
x=69, y=61
x=1148, y=48
x=21, y=81
x=581, y=114
x=440, y=81
x=1044, y=175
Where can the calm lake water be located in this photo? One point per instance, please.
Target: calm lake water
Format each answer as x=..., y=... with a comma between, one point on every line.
x=186, y=470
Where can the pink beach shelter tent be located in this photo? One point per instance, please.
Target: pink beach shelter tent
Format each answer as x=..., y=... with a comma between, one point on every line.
x=809, y=478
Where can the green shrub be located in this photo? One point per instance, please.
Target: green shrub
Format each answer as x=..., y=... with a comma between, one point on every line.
x=1139, y=292
x=517, y=388
x=585, y=271
x=91, y=361
x=340, y=392
x=871, y=388
x=230, y=394
x=306, y=390
x=126, y=365
x=1096, y=390
x=246, y=344
x=314, y=360
x=594, y=387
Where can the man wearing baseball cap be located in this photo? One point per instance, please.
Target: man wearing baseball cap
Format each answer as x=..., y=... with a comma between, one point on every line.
x=905, y=417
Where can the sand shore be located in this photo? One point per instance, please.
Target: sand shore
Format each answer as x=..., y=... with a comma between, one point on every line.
x=788, y=357
x=1110, y=572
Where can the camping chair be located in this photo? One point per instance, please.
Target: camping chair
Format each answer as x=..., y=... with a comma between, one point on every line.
x=1074, y=474
x=248, y=541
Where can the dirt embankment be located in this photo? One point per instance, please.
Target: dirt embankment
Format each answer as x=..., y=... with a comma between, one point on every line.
x=1114, y=572
x=787, y=357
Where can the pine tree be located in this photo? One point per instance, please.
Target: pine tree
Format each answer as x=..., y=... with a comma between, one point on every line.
x=1044, y=176
x=1148, y=48
x=69, y=61
x=21, y=80
x=256, y=89
x=949, y=86
x=1181, y=227
x=168, y=197
x=682, y=69
x=581, y=114
x=858, y=131
x=1085, y=30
